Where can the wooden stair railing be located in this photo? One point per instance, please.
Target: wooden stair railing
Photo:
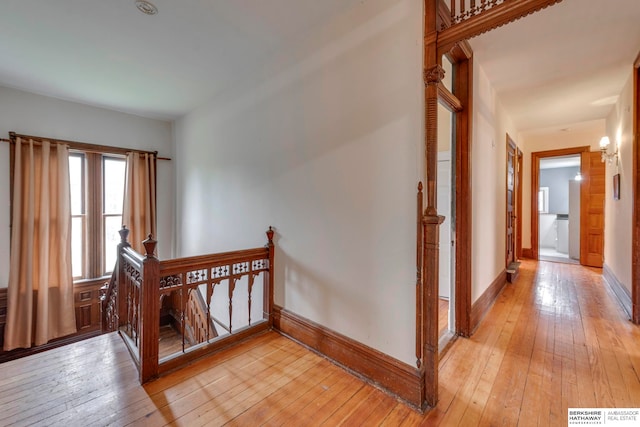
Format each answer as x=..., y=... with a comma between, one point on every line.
x=131, y=302
x=198, y=327
x=108, y=296
x=197, y=320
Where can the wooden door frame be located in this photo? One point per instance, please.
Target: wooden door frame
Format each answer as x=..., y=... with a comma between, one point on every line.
x=510, y=144
x=635, y=244
x=535, y=183
x=443, y=36
x=460, y=104
x=519, y=163
x=462, y=59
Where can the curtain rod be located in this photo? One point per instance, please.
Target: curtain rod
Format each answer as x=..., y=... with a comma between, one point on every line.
x=82, y=145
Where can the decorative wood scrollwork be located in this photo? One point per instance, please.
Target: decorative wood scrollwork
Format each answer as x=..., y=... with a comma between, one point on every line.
x=433, y=75
x=145, y=286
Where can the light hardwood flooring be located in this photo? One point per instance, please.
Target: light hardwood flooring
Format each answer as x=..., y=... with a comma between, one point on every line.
x=555, y=339
x=443, y=316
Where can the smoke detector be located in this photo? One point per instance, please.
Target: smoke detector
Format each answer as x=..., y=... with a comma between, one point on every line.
x=146, y=7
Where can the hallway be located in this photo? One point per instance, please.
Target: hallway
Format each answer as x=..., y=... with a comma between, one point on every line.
x=555, y=339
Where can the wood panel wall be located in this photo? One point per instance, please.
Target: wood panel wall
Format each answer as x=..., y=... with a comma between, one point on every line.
x=87, y=306
x=87, y=310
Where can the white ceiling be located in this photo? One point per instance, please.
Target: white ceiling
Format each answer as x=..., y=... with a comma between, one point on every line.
x=107, y=53
x=563, y=65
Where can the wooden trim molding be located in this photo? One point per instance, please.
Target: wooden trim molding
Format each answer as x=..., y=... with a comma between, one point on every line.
x=489, y=19
x=448, y=99
x=398, y=378
x=18, y=353
x=621, y=291
x=3, y=314
x=519, y=164
x=511, y=149
x=482, y=305
x=635, y=243
x=463, y=89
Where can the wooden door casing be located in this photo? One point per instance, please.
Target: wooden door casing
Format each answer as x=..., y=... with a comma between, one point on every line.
x=592, y=210
x=518, y=212
x=535, y=185
x=510, y=202
x=635, y=242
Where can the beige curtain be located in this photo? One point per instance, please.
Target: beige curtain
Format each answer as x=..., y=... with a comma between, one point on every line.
x=40, y=294
x=139, y=211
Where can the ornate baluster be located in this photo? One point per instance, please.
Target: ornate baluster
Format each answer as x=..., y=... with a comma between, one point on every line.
x=232, y=287
x=121, y=306
x=183, y=303
x=250, y=285
x=130, y=310
x=210, y=287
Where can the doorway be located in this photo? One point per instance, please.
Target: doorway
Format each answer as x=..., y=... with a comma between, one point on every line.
x=591, y=222
x=560, y=178
x=445, y=198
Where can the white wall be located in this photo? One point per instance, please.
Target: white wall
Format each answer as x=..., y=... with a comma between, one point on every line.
x=619, y=213
x=31, y=114
x=325, y=143
x=577, y=135
x=491, y=124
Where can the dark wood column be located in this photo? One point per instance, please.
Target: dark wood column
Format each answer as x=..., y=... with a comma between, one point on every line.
x=433, y=75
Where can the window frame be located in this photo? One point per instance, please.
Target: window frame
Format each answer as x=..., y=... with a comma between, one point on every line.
x=93, y=241
x=86, y=148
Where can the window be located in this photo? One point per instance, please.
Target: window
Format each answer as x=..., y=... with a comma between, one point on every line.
x=543, y=200
x=97, y=194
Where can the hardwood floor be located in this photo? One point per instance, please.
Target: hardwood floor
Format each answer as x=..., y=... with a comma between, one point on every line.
x=170, y=341
x=443, y=316
x=555, y=339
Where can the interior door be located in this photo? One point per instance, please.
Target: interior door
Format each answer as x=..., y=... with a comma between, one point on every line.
x=592, y=210
x=511, y=185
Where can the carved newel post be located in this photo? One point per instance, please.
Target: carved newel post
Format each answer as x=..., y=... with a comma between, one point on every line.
x=268, y=292
x=431, y=228
x=149, y=312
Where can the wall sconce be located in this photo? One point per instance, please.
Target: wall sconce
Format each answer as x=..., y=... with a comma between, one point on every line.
x=604, y=147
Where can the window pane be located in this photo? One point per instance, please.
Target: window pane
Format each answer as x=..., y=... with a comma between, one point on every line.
x=113, y=185
x=77, y=183
x=77, y=259
x=112, y=225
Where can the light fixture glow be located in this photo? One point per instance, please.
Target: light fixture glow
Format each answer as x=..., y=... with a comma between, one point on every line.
x=605, y=155
x=146, y=7
x=578, y=177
